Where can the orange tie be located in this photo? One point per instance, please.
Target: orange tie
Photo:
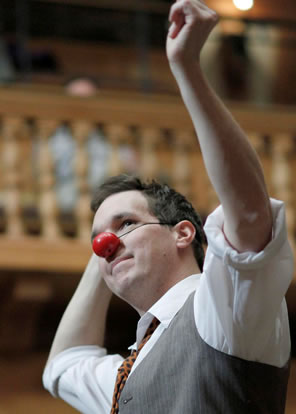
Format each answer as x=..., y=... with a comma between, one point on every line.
x=125, y=368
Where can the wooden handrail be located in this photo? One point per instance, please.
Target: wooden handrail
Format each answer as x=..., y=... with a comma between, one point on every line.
x=125, y=107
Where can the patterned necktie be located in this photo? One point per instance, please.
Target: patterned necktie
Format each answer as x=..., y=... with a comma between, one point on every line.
x=125, y=368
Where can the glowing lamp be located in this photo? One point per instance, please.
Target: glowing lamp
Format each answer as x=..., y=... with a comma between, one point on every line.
x=243, y=4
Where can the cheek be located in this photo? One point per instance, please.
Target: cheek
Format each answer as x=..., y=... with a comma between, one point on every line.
x=163, y=252
x=150, y=250
x=140, y=248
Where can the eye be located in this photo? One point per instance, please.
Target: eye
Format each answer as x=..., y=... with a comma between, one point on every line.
x=126, y=223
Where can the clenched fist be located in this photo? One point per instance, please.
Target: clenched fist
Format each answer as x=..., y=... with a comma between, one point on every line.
x=191, y=23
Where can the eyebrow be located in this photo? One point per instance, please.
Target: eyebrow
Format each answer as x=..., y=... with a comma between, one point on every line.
x=115, y=218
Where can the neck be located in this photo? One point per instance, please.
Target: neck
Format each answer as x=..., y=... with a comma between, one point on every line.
x=143, y=302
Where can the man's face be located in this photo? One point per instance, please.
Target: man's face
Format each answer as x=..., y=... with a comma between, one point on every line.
x=142, y=264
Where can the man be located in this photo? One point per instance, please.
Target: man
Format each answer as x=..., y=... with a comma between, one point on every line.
x=222, y=340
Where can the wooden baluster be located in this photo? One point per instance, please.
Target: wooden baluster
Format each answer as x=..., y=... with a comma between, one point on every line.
x=182, y=170
x=282, y=175
x=149, y=143
x=129, y=152
x=26, y=148
x=116, y=134
x=12, y=176
x=47, y=197
x=81, y=131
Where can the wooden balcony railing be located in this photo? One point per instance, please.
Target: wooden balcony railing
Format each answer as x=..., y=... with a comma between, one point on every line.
x=35, y=234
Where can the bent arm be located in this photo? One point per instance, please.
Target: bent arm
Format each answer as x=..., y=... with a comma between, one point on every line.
x=83, y=322
x=231, y=163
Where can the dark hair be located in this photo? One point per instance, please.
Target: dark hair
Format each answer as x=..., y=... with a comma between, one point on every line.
x=165, y=203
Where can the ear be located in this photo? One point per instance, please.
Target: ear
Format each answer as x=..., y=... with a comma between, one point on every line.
x=184, y=233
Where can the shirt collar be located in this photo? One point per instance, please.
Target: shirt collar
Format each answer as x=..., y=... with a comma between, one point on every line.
x=168, y=305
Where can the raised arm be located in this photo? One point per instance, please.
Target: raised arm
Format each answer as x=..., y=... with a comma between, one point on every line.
x=83, y=322
x=231, y=162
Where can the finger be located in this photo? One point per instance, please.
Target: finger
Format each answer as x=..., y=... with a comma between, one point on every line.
x=189, y=6
x=203, y=7
x=175, y=29
x=177, y=8
x=177, y=19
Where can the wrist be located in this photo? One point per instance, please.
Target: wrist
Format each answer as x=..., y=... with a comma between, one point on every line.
x=186, y=69
x=190, y=79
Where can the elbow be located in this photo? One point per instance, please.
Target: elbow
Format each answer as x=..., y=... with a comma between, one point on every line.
x=252, y=231
x=49, y=381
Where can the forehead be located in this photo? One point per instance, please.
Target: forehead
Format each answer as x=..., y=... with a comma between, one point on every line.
x=132, y=201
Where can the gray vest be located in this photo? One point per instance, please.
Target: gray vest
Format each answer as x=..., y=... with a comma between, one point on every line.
x=184, y=375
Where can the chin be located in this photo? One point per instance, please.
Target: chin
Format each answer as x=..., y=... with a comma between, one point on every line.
x=127, y=287
x=120, y=283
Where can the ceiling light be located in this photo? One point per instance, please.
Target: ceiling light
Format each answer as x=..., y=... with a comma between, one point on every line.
x=243, y=4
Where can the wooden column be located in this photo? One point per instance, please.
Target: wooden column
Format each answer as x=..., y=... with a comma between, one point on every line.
x=29, y=187
x=182, y=168
x=116, y=134
x=47, y=197
x=11, y=175
x=149, y=143
x=81, y=131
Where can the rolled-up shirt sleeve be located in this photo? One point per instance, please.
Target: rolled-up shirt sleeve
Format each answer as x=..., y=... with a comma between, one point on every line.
x=240, y=307
x=84, y=377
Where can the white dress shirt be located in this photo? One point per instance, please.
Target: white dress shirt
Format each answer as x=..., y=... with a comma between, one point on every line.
x=239, y=309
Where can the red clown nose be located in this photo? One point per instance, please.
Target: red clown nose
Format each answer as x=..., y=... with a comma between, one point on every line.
x=105, y=244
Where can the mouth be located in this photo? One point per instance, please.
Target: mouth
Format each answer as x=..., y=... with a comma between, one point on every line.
x=119, y=260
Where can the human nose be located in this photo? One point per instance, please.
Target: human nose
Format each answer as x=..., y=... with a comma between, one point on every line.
x=105, y=244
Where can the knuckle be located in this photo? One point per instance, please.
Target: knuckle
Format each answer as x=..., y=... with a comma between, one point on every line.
x=187, y=3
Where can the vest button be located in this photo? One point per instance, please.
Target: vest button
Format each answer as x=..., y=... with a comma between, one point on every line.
x=126, y=400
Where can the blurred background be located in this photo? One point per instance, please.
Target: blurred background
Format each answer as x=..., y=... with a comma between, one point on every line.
x=86, y=92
